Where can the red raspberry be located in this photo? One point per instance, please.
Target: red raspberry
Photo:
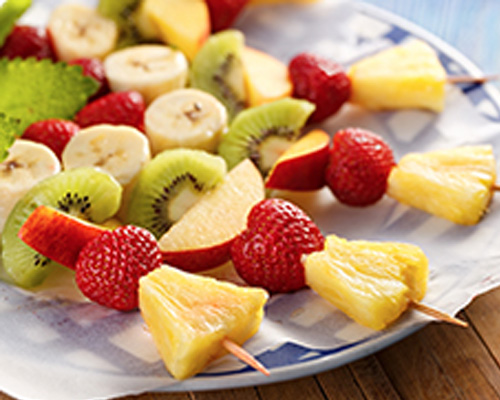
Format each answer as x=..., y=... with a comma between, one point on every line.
x=94, y=68
x=54, y=133
x=117, y=108
x=358, y=168
x=268, y=253
x=223, y=13
x=321, y=81
x=109, y=267
x=28, y=41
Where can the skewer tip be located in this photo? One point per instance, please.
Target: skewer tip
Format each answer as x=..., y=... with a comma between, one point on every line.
x=240, y=353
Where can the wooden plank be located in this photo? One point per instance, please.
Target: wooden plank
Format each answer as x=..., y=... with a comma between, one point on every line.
x=158, y=396
x=484, y=314
x=230, y=394
x=459, y=365
x=373, y=380
x=305, y=388
x=414, y=371
x=340, y=383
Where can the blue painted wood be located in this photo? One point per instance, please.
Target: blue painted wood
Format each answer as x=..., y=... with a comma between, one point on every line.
x=472, y=27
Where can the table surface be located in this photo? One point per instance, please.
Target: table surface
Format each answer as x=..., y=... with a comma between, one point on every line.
x=440, y=361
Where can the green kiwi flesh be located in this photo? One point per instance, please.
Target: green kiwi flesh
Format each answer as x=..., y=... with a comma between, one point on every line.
x=169, y=184
x=123, y=13
x=87, y=193
x=264, y=132
x=218, y=69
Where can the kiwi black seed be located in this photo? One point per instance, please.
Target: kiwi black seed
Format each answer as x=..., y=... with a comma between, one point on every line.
x=262, y=133
x=169, y=184
x=218, y=69
x=87, y=193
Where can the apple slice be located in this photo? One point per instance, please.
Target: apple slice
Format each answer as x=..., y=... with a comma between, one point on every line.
x=184, y=24
x=57, y=235
x=266, y=77
x=202, y=238
x=302, y=166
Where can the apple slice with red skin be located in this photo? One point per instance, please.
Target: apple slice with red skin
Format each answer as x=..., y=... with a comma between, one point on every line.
x=302, y=166
x=201, y=239
x=57, y=235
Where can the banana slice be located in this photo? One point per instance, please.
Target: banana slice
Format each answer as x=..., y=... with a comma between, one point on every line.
x=120, y=150
x=151, y=70
x=78, y=31
x=27, y=164
x=185, y=118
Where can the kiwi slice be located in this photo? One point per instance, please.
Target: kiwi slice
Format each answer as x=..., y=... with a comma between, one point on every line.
x=218, y=69
x=171, y=183
x=264, y=132
x=124, y=13
x=84, y=192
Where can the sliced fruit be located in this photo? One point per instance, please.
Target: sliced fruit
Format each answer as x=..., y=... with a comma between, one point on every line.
x=27, y=164
x=218, y=69
x=184, y=24
x=223, y=13
x=219, y=216
x=122, y=12
x=188, y=118
x=189, y=317
x=84, y=192
x=57, y=235
x=302, y=166
x=120, y=150
x=456, y=184
x=405, y=76
x=372, y=282
x=79, y=31
x=150, y=69
x=266, y=77
x=169, y=185
x=27, y=41
x=265, y=132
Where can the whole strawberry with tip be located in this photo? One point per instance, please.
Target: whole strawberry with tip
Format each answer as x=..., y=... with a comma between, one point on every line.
x=358, y=168
x=109, y=267
x=115, y=108
x=268, y=253
x=321, y=81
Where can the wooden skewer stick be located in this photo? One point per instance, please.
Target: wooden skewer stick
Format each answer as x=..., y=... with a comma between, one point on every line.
x=496, y=188
x=454, y=79
x=439, y=315
x=240, y=353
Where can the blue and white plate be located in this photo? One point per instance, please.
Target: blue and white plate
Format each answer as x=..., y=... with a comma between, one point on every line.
x=56, y=346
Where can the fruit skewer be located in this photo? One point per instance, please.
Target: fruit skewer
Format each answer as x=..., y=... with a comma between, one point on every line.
x=282, y=250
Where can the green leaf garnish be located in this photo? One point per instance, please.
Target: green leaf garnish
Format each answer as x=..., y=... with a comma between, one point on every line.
x=8, y=132
x=10, y=12
x=33, y=90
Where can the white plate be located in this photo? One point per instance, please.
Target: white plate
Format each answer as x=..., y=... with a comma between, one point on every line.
x=57, y=349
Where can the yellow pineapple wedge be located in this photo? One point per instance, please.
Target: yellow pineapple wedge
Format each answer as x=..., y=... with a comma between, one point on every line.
x=190, y=316
x=405, y=76
x=372, y=282
x=456, y=184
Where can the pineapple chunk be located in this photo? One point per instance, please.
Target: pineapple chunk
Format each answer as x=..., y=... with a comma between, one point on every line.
x=190, y=315
x=405, y=76
x=372, y=282
x=455, y=184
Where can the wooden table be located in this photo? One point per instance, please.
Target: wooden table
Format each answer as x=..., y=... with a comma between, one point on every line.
x=439, y=361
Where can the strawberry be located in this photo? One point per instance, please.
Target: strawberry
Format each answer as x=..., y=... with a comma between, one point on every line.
x=28, y=41
x=54, y=133
x=94, y=68
x=321, y=81
x=223, y=13
x=359, y=165
x=268, y=252
x=109, y=267
x=116, y=108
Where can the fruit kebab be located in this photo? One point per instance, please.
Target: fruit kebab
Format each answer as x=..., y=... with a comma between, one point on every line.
x=409, y=75
x=193, y=319
x=282, y=250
